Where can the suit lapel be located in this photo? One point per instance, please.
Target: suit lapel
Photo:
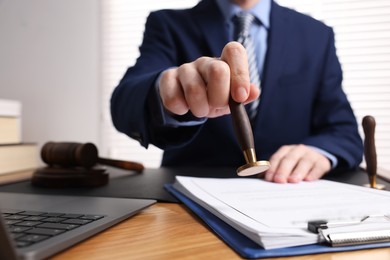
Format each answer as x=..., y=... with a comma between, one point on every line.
x=211, y=24
x=274, y=59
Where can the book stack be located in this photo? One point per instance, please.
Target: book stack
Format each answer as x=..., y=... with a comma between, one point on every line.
x=17, y=158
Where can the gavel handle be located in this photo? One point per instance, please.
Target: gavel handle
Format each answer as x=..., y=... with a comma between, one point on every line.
x=127, y=165
x=369, y=148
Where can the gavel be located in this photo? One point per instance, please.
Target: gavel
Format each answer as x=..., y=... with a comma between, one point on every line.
x=70, y=154
x=72, y=164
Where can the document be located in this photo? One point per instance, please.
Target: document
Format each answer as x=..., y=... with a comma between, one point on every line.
x=276, y=215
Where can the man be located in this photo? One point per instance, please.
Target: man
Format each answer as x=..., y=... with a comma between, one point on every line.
x=176, y=95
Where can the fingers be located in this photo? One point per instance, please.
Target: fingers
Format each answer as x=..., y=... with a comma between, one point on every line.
x=216, y=74
x=171, y=93
x=202, y=86
x=205, y=85
x=194, y=89
x=254, y=94
x=234, y=55
x=294, y=163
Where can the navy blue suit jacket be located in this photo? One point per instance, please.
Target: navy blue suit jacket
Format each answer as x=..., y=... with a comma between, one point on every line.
x=302, y=101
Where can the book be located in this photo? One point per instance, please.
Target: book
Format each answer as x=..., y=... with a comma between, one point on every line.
x=18, y=157
x=13, y=177
x=10, y=108
x=10, y=121
x=10, y=130
x=276, y=216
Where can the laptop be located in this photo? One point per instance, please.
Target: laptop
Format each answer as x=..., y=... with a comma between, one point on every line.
x=36, y=226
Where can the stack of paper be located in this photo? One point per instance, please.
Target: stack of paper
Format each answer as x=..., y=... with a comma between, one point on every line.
x=276, y=215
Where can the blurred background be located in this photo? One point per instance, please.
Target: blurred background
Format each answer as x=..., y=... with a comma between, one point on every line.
x=62, y=60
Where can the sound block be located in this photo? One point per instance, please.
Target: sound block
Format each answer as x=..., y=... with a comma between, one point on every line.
x=58, y=177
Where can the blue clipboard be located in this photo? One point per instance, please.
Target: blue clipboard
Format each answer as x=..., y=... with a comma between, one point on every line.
x=245, y=247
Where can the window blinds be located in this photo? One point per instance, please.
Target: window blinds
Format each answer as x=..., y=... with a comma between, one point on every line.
x=122, y=31
x=362, y=30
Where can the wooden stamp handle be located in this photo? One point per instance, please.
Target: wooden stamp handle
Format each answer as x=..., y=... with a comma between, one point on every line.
x=242, y=125
x=370, y=149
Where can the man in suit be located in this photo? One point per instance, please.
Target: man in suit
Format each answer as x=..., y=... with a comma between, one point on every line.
x=176, y=95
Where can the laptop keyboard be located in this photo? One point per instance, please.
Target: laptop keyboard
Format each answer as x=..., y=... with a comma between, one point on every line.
x=30, y=227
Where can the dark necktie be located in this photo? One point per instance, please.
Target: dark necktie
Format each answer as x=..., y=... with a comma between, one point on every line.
x=244, y=21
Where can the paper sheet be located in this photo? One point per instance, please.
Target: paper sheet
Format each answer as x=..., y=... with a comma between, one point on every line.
x=265, y=211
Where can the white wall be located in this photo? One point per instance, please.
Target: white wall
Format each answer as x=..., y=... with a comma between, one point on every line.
x=49, y=60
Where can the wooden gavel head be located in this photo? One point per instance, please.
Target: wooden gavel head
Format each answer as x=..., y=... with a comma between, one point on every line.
x=69, y=165
x=72, y=164
x=69, y=154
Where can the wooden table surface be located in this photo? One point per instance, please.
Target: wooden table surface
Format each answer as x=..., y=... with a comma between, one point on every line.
x=170, y=231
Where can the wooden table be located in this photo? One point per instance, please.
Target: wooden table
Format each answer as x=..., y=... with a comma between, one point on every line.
x=170, y=231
